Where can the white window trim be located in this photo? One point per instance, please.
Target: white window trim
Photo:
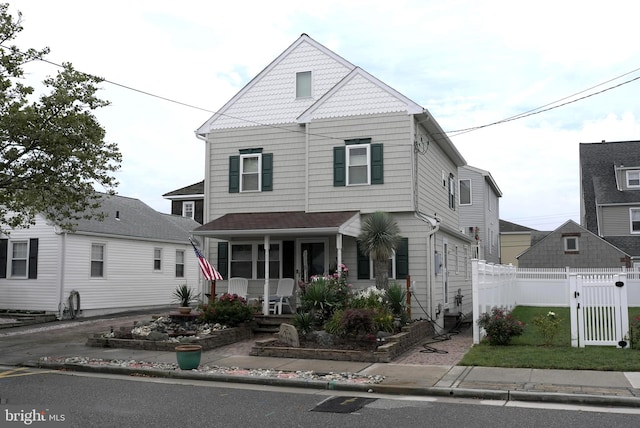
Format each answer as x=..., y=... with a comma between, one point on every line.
x=10, y=259
x=631, y=211
x=254, y=256
x=460, y=192
x=636, y=174
x=245, y=156
x=566, y=243
x=104, y=260
x=349, y=147
x=154, y=259
x=184, y=272
x=191, y=204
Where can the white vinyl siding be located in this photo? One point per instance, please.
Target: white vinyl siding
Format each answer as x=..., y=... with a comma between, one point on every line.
x=392, y=131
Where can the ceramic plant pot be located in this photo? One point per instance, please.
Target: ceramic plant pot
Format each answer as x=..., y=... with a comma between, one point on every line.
x=188, y=356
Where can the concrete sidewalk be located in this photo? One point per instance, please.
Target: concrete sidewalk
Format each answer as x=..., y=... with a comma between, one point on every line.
x=63, y=343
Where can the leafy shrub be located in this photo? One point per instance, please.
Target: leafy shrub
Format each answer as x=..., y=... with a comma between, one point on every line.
x=548, y=326
x=324, y=295
x=383, y=320
x=303, y=322
x=352, y=322
x=634, y=333
x=228, y=309
x=500, y=326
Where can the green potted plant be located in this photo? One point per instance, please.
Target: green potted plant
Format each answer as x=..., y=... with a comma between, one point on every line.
x=184, y=295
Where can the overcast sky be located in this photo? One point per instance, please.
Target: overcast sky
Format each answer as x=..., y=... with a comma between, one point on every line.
x=470, y=63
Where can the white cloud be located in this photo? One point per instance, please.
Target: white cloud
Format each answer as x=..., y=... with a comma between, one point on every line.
x=469, y=63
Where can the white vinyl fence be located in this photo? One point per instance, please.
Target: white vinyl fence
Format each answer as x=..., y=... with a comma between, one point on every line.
x=507, y=286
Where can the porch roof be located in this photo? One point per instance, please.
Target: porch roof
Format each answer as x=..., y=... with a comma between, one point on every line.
x=282, y=223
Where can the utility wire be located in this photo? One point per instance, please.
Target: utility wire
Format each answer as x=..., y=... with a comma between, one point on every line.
x=455, y=133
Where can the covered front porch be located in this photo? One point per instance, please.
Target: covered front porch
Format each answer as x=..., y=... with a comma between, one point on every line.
x=264, y=247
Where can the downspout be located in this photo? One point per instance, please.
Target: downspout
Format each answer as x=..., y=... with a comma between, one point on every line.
x=306, y=168
x=206, y=212
x=61, y=263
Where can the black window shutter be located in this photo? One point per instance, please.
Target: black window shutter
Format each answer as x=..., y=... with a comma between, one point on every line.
x=234, y=174
x=4, y=244
x=339, y=166
x=363, y=265
x=33, y=258
x=402, y=259
x=223, y=258
x=267, y=172
x=377, y=164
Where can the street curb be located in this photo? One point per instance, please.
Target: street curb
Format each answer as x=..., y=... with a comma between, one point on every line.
x=481, y=394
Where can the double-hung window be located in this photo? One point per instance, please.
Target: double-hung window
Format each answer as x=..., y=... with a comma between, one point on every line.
x=633, y=178
x=634, y=214
x=250, y=177
x=465, y=192
x=179, y=263
x=251, y=171
x=97, y=260
x=247, y=260
x=452, y=192
x=157, y=259
x=358, y=160
x=188, y=209
x=19, y=258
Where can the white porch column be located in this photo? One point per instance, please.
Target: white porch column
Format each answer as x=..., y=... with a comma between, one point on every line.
x=265, y=299
x=339, y=252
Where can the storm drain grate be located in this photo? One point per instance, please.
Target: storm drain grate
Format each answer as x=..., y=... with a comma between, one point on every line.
x=342, y=404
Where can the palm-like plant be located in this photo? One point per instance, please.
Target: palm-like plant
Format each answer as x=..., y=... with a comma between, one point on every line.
x=379, y=237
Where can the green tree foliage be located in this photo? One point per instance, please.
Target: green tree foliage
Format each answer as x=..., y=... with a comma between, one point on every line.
x=52, y=149
x=379, y=237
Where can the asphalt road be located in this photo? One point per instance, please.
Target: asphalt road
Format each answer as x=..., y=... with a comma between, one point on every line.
x=84, y=400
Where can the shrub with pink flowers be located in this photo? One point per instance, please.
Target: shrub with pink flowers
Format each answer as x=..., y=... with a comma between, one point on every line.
x=500, y=326
x=228, y=309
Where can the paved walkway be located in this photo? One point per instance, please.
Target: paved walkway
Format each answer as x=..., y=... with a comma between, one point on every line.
x=425, y=370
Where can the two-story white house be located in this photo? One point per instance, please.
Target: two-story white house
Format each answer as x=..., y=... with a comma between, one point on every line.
x=479, y=211
x=306, y=150
x=610, y=194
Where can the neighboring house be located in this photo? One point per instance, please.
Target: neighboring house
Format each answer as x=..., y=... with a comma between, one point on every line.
x=303, y=152
x=610, y=197
x=515, y=239
x=571, y=245
x=134, y=258
x=479, y=212
x=188, y=201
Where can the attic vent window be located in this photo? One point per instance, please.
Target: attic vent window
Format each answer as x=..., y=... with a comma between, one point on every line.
x=303, y=84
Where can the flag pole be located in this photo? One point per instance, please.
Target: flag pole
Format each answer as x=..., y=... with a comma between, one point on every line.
x=213, y=290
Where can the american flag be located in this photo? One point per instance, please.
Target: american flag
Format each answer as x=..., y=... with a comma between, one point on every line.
x=210, y=273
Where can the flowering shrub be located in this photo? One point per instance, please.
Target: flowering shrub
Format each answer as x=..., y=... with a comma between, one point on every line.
x=548, y=326
x=324, y=295
x=371, y=298
x=500, y=326
x=228, y=309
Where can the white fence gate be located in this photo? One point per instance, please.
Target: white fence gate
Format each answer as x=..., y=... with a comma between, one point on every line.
x=599, y=312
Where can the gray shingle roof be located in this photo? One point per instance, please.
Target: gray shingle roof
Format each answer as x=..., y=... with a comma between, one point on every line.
x=507, y=226
x=597, y=178
x=192, y=189
x=130, y=217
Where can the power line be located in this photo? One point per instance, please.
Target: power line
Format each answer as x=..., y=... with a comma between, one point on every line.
x=455, y=133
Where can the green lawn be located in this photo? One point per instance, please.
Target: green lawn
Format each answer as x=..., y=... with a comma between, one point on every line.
x=527, y=350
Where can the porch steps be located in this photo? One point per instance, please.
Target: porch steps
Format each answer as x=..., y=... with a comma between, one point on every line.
x=270, y=323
